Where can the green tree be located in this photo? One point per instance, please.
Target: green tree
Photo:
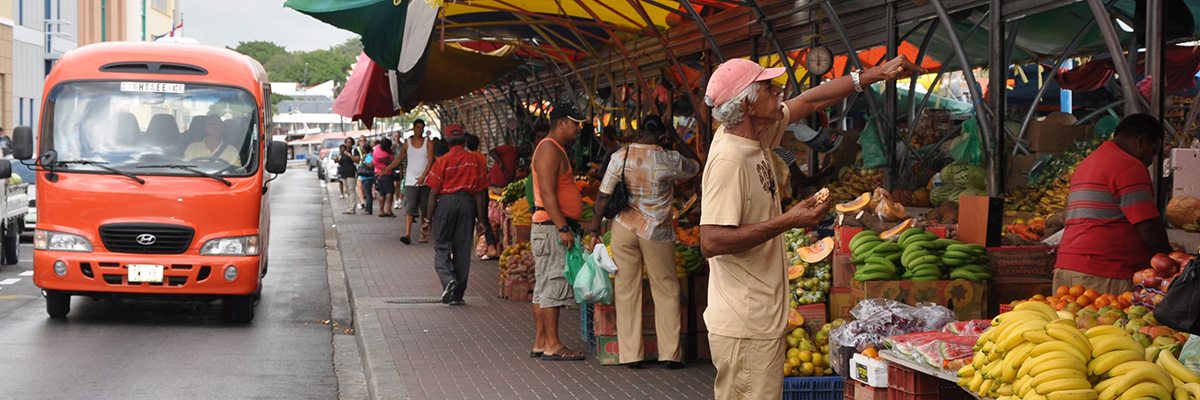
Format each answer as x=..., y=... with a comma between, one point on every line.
x=260, y=50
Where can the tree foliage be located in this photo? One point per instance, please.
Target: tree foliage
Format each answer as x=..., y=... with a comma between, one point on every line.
x=306, y=67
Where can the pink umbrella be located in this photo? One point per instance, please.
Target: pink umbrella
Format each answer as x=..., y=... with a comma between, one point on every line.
x=367, y=95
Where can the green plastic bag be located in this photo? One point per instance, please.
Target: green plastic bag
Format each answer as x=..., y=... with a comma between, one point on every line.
x=575, y=262
x=872, y=146
x=592, y=284
x=968, y=148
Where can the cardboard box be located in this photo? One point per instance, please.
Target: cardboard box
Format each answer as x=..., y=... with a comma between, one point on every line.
x=843, y=270
x=841, y=301
x=1052, y=137
x=869, y=371
x=842, y=236
x=815, y=316
x=980, y=220
x=607, y=349
x=519, y=290
x=1018, y=170
x=606, y=319
x=967, y=299
x=1023, y=262
x=1005, y=290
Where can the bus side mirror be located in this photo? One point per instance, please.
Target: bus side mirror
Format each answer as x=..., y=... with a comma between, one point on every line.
x=22, y=143
x=276, y=157
x=5, y=169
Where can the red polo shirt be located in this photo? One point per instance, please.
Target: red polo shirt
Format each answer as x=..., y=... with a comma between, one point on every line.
x=457, y=171
x=1110, y=192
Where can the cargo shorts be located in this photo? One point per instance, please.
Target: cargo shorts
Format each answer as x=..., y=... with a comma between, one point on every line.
x=549, y=259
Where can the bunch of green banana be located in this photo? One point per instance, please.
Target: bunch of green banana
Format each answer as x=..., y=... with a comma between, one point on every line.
x=694, y=262
x=874, y=258
x=965, y=261
x=920, y=255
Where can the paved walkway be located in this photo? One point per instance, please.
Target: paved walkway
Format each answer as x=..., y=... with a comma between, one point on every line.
x=415, y=349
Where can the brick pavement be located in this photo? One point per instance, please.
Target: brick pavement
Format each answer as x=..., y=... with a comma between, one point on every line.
x=479, y=351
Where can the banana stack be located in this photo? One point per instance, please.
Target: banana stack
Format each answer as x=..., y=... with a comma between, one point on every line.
x=1031, y=352
x=875, y=259
x=1187, y=383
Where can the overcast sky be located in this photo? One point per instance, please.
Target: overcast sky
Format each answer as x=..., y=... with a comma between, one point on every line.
x=227, y=22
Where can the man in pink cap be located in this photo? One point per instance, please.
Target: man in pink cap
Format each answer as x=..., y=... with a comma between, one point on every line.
x=741, y=220
x=458, y=206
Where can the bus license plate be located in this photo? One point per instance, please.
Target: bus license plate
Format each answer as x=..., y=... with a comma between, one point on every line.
x=145, y=273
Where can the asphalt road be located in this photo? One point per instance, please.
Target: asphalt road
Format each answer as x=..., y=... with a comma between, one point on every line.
x=153, y=350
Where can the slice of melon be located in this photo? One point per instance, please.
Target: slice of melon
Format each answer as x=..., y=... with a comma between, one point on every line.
x=795, y=320
x=795, y=272
x=854, y=206
x=897, y=230
x=817, y=252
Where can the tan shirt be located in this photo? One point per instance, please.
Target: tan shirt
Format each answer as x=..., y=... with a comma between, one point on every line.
x=747, y=292
x=650, y=173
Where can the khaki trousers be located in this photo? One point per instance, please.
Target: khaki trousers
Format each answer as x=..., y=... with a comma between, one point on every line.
x=747, y=368
x=630, y=252
x=1066, y=277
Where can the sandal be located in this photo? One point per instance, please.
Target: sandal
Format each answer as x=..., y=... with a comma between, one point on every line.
x=404, y=239
x=535, y=354
x=563, y=354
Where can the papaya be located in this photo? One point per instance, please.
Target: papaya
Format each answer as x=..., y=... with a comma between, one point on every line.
x=817, y=252
x=854, y=206
x=795, y=272
x=897, y=230
x=795, y=320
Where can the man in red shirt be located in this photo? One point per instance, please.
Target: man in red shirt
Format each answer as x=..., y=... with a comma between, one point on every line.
x=458, y=205
x=1113, y=226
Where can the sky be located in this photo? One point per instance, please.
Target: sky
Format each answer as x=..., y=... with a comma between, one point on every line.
x=226, y=22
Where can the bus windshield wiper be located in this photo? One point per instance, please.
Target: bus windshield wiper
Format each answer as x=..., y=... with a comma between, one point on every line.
x=105, y=167
x=189, y=168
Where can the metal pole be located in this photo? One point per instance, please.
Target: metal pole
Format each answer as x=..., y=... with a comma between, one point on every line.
x=670, y=55
x=985, y=128
x=912, y=85
x=937, y=78
x=889, y=100
x=712, y=41
x=997, y=83
x=769, y=30
x=1155, y=55
x=1114, y=48
x=852, y=55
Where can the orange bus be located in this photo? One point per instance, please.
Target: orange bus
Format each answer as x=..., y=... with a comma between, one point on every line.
x=153, y=170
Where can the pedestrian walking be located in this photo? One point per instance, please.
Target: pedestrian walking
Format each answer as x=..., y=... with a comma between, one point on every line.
x=418, y=151
x=741, y=218
x=385, y=184
x=366, y=178
x=558, y=207
x=458, y=206
x=644, y=234
x=348, y=159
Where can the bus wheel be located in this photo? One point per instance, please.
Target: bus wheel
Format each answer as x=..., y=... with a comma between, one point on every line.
x=10, y=238
x=241, y=308
x=58, y=304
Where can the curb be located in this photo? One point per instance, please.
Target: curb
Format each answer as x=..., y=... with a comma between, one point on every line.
x=380, y=376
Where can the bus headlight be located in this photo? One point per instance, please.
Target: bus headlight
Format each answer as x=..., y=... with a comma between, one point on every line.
x=59, y=241
x=231, y=246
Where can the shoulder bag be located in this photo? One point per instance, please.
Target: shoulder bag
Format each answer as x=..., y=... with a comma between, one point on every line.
x=619, y=199
x=365, y=169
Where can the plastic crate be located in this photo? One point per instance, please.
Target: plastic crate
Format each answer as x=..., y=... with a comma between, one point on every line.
x=848, y=388
x=951, y=391
x=911, y=382
x=586, y=329
x=817, y=388
x=894, y=394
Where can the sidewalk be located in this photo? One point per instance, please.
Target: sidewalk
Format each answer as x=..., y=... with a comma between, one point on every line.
x=414, y=347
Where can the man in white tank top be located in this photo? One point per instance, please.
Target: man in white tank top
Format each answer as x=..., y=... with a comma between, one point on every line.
x=419, y=154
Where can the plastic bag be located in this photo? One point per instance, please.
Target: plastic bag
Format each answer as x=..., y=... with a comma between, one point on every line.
x=872, y=146
x=1190, y=355
x=600, y=255
x=575, y=262
x=481, y=247
x=592, y=284
x=879, y=319
x=968, y=148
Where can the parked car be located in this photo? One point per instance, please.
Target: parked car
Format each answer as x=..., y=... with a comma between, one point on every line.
x=28, y=176
x=329, y=165
x=313, y=159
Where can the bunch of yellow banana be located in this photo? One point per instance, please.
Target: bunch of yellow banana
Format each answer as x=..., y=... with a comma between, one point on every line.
x=1187, y=383
x=1120, y=364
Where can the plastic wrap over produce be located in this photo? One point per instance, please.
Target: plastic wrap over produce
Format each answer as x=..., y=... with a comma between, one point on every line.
x=878, y=319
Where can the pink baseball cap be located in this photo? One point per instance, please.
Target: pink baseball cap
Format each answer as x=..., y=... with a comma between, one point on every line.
x=454, y=130
x=734, y=76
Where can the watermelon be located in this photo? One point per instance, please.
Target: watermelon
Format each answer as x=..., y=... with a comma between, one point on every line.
x=949, y=351
x=976, y=177
x=956, y=173
x=944, y=193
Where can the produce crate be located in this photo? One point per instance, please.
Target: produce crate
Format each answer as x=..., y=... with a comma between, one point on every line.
x=521, y=233
x=519, y=290
x=950, y=391
x=587, y=330
x=908, y=381
x=813, y=388
x=865, y=392
x=850, y=388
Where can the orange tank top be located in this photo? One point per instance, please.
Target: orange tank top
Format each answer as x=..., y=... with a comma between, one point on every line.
x=570, y=201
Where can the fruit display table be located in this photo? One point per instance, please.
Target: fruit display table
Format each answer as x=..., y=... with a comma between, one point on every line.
x=898, y=359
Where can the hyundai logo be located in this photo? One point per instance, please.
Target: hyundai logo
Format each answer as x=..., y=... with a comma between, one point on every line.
x=146, y=239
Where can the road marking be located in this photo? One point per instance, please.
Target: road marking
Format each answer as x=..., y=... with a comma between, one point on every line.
x=26, y=273
x=10, y=281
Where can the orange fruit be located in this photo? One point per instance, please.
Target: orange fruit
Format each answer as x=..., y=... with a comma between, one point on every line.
x=1126, y=299
x=1102, y=302
x=1059, y=306
x=1068, y=298
x=1062, y=291
x=1052, y=299
x=1091, y=293
x=870, y=353
x=1077, y=290
x=1083, y=300
x=1038, y=297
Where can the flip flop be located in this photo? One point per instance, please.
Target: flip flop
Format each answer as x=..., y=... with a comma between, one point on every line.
x=535, y=354
x=404, y=239
x=563, y=354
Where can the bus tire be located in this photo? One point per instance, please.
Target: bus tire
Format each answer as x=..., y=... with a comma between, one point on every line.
x=12, y=248
x=241, y=308
x=58, y=304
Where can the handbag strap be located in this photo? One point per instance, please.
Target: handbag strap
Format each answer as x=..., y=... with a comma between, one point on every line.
x=623, y=162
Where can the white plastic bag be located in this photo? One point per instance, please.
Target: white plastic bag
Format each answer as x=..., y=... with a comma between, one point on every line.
x=600, y=255
x=592, y=284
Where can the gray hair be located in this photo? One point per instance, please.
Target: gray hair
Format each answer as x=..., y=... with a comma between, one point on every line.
x=732, y=112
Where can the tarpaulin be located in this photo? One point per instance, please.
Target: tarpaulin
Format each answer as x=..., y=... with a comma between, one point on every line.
x=1180, y=67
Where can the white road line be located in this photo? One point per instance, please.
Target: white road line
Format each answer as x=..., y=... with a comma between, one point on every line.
x=26, y=273
x=10, y=281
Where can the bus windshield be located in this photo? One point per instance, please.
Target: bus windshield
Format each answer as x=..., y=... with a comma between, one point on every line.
x=152, y=128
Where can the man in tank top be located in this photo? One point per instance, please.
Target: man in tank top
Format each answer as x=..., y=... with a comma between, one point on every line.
x=419, y=154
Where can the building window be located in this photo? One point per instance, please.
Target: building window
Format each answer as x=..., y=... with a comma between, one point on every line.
x=21, y=112
x=160, y=5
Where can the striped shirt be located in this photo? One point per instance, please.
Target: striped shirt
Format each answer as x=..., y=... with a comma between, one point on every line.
x=457, y=171
x=1110, y=192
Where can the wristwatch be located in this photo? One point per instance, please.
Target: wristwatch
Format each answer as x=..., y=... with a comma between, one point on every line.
x=857, y=83
x=565, y=229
